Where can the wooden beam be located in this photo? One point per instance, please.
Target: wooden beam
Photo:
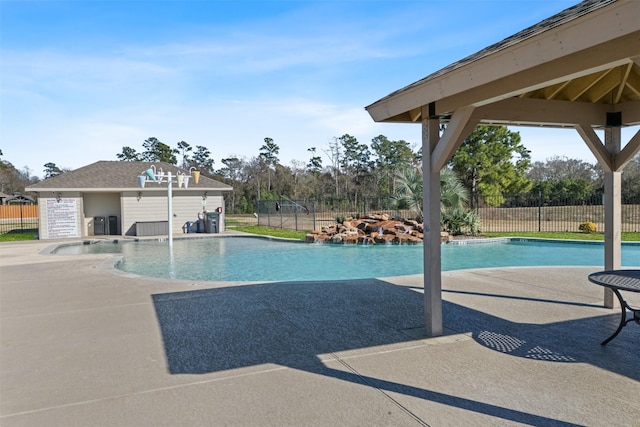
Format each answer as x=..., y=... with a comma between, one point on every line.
x=529, y=111
x=625, y=77
x=552, y=92
x=595, y=145
x=415, y=114
x=605, y=85
x=580, y=86
x=460, y=126
x=630, y=112
x=633, y=82
x=628, y=152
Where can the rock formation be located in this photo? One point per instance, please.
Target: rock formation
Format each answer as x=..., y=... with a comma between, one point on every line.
x=372, y=229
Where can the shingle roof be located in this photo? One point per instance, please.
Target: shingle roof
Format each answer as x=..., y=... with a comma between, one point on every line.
x=117, y=176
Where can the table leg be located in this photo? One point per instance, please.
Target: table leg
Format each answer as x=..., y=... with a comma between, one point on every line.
x=623, y=316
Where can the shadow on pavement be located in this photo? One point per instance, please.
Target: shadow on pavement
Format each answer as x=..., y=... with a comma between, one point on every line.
x=293, y=323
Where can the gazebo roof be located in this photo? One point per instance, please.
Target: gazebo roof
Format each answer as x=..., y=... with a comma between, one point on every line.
x=587, y=55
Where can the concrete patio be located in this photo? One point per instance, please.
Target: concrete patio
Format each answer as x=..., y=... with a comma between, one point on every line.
x=86, y=345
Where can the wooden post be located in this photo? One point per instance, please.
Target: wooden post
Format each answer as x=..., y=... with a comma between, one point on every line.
x=431, y=212
x=612, y=212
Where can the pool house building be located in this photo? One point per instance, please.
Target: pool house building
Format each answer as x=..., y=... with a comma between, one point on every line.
x=120, y=199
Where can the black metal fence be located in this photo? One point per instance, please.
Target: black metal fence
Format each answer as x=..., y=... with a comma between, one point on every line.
x=308, y=214
x=529, y=212
x=518, y=213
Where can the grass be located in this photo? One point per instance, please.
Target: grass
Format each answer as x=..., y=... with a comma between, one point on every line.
x=292, y=234
x=274, y=232
x=626, y=236
x=18, y=236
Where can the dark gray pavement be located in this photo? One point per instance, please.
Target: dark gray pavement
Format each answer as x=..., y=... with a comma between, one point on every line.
x=85, y=345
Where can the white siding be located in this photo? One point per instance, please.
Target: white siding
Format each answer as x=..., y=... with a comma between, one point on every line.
x=152, y=206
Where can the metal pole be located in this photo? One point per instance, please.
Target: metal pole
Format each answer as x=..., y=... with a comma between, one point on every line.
x=170, y=209
x=21, y=225
x=539, y=212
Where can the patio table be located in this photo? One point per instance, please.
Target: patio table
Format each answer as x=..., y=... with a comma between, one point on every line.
x=620, y=280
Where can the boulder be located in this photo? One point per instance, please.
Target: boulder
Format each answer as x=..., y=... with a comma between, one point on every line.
x=372, y=229
x=350, y=239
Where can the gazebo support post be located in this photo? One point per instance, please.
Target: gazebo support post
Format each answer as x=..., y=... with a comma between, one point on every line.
x=431, y=211
x=612, y=211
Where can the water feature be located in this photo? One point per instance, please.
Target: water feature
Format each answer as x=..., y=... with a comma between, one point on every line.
x=258, y=259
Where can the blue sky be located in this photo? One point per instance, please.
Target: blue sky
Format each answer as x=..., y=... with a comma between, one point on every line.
x=82, y=79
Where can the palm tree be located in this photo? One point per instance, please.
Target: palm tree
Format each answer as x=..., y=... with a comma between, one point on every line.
x=454, y=213
x=409, y=189
x=453, y=194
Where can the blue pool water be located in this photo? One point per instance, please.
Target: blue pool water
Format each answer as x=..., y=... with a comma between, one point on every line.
x=257, y=259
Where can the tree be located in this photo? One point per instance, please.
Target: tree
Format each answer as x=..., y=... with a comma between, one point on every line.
x=455, y=216
x=13, y=180
x=202, y=160
x=51, y=170
x=334, y=153
x=184, y=148
x=231, y=173
x=157, y=151
x=232, y=169
x=493, y=162
x=409, y=189
x=315, y=162
x=315, y=169
x=558, y=167
x=128, y=155
x=631, y=181
x=562, y=178
x=391, y=156
x=268, y=154
x=253, y=170
x=355, y=162
x=453, y=193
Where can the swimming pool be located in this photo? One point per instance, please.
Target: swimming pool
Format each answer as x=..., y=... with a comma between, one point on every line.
x=259, y=259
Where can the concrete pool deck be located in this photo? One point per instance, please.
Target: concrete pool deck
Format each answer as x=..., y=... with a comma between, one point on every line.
x=84, y=345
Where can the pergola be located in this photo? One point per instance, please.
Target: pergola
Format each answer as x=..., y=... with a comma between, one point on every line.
x=578, y=69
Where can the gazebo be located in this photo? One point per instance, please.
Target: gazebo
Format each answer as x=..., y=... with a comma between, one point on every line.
x=579, y=69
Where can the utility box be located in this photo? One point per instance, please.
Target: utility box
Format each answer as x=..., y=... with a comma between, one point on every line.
x=212, y=222
x=113, y=225
x=152, y=228
x=98, y=225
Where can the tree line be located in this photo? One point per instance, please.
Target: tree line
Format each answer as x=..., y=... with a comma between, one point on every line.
x=492, y=165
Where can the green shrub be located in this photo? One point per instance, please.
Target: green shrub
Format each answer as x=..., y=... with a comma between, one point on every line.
x=588, y=227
